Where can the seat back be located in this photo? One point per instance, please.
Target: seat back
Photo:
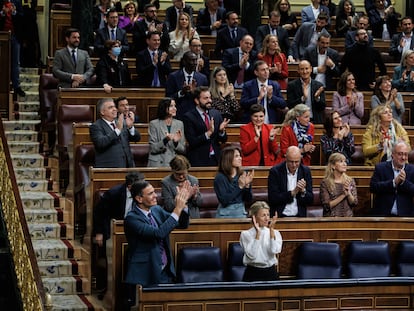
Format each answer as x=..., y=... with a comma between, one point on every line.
x=48, y=100
x=199, y=264
x=319, y=261
x=235, y=262
x=405, y=259
x=368, y=259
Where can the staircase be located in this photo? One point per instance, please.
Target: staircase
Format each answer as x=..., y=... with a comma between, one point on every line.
x=63, y=263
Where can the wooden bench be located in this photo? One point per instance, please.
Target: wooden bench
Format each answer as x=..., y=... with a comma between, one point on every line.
x=221, y=232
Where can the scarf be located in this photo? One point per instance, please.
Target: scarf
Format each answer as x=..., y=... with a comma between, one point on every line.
x=301, y=132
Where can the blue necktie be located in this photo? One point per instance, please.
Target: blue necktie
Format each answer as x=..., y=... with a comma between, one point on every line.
x=164, y=259
x=113, y=34
x=156, y=79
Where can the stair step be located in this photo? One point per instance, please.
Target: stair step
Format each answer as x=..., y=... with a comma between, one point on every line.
x=41, y=215
x=53, y=249
x=33, y=185
x=30, y=97
x=26, y=115
x=29, y=71
x=37, y=200
x=21, y=135
x=44, y=230
x=30, y=85
x=36, y=173
x=71, y=302
x=23, y=147
x=27, y=160
x=27, y=125
x=65, y=285
x=57, y=268
x=28, y=106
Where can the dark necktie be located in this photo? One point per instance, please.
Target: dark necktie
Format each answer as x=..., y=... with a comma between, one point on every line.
x=113, y=125
x=234, y=34
x=156, y=79
x=189, y=79
x=113, y=34
x=163, y=253
x=74, y=57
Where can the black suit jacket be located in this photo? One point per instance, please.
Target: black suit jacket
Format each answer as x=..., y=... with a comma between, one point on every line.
x=198, y=145
x=395, y=43
x=145, y=69
x=385, y=193
x=103, y=34
x=231, y=61
x=294, y=97
x=224, y=40
x=311, y=55
x=175, y=82
x=279, y=196
x=171, y=16
x=114, y=73
x=110, y=206
x=204, y=21
x=139, y=33
x=282, y=35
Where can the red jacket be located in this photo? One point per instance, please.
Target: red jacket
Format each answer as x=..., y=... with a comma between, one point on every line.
x=288, y=138
x=251, y=149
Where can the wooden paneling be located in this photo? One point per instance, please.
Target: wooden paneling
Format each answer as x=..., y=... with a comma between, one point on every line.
x=59, y=22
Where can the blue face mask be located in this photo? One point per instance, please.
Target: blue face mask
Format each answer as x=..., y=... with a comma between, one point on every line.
x=116, y=50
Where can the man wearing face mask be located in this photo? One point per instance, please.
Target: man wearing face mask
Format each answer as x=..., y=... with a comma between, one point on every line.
x=111, y=70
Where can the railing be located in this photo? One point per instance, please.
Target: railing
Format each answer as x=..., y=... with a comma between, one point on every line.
x=26, y=269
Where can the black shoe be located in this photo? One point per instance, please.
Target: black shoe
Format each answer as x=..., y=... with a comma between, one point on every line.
x=20, y=92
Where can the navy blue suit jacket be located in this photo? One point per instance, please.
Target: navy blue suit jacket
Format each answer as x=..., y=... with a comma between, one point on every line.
x=279, y=196
x=250, y=92
x=103, y=34
x=224, y=40
x=175, y=84
x=144, y=257
x=204, y=21
x=198, y=145
x=231, y=62
x=282, y=36
x=145, y=69
x=385, y=193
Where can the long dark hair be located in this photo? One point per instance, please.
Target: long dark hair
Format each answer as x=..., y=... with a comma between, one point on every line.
x=226, y=161
x=163, y=105
x=328, y=124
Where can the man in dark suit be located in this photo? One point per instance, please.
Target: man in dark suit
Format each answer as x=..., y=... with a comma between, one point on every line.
x=307, y=35
x=71, y=65
x=362, y=23
x=203, y=62
x=211, y=18
x=290, y=186
x=402, y=41
x=171, y=13
x=393, y=184
x=239, y=62
x=308, y=91
x=115, y=203
x=122, y=104
x=264, y=92
x=147, y=228
x=150, y=23
x=204, y=130
x=324, y=61
x=111, y=31
x=273, y=28
x=153, y=64
x=111, y=134
x=230, y=36
x=182, y=82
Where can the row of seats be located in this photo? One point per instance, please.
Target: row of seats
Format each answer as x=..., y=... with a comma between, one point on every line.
x=316, y=261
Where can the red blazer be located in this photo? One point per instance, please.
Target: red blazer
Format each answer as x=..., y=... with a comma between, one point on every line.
x=271, y=61
x=288, y=138
x=251, y=149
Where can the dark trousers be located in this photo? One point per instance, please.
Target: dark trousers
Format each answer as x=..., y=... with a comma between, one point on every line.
x=252, y=274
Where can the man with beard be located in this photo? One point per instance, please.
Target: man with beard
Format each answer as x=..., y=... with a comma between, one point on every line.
x=150, y=23
x=404, y=40
x=361, y=61
x=204, y=130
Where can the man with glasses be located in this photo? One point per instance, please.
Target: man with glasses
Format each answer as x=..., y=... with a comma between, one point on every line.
x=393, y=184
x=361, y=61
x=203, y=62
x=363, y=23
x=290, y=186
x=402, y=41
x=111, y=31
x=150, y=23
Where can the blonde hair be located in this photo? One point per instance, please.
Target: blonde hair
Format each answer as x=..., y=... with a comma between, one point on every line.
x=265, y=46
x=375, y=120
x=177, y=28
x=329, y=177
x=295, y=112
x=257, y=206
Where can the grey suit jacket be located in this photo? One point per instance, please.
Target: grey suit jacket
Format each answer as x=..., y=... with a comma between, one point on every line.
x=169, y=191
x=162, y=152
x=64, y=68
x=112, y=150
x=303, y=38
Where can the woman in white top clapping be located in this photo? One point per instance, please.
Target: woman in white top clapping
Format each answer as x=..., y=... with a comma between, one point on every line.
x=261, y=243
x=181, y=36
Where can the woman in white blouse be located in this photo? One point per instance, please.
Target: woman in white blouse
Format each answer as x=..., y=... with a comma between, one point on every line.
x=181, y=36
x=261, y=243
